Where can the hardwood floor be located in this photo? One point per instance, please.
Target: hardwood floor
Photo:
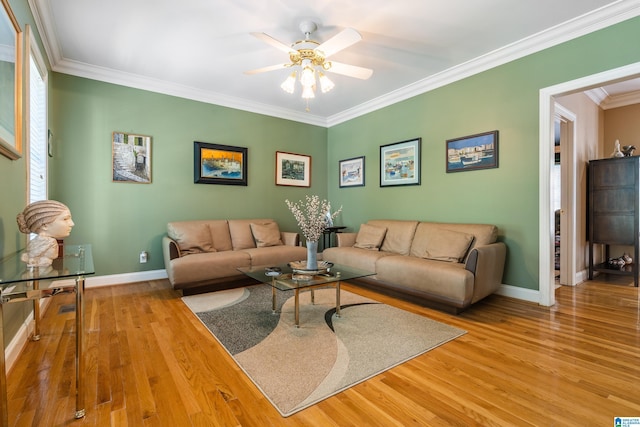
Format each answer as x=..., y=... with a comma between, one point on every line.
x=150, y=362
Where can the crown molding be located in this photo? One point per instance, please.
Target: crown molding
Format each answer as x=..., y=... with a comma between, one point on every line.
x=585, y=24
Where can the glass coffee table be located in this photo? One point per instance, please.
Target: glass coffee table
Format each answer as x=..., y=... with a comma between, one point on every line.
x=282, y=277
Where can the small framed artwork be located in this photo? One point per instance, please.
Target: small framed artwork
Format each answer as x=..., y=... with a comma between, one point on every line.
x=473, y=152
x=131, y=158
x=219, y=164
x=400, y=163
x=293, y=169
x=352, y=172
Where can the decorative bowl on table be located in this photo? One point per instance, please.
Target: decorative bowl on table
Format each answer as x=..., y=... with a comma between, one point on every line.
x=300, y=267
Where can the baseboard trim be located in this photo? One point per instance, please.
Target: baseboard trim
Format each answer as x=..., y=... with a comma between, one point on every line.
x=118, y=279
x=530, y=295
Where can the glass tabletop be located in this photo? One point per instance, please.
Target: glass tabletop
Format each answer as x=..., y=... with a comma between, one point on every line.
x=76, y=261
x=288, y=280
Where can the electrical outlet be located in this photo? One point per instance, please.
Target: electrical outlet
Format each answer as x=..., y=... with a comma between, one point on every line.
x=143, y=257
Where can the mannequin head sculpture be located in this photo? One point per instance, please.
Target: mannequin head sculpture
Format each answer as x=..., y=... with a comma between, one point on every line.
x=50, y=220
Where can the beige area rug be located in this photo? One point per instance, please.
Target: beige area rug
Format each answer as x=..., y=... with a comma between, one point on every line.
x=298, y=367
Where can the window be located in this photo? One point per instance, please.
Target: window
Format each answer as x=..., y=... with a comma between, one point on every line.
x=37, y=131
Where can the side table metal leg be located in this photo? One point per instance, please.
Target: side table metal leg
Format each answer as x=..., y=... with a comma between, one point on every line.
x=80, y=409
x=4, y=410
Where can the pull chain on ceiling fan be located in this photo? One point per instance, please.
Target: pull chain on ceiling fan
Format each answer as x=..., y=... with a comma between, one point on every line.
x=310, y=59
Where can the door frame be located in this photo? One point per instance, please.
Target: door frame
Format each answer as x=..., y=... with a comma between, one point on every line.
x=546, y=219
x=568, y=188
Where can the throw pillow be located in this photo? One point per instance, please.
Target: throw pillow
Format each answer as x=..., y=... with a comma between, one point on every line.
x=447, y=245
x=193, y=237
x=370, y=237
x=266, y=234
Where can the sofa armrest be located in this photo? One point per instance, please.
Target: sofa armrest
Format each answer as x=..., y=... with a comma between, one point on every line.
x=170, y=249
x=345, y=239
x=487, y=265
x=290, y=238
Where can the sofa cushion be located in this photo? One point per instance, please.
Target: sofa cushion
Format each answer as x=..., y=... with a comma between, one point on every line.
x=483, y=234
x=370, y=237
x=192, y=237
x=449, y=281
x=266, y=234
x=273, y=255
x=240, y=230
x=220, y=235
x=441, y=244
x=354, y=257
x=206, y=266
x=399, y=235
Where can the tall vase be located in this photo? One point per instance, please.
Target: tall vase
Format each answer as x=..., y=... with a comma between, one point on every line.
x=312, y=254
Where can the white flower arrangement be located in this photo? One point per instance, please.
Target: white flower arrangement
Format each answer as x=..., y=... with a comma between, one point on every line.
x=311, y=215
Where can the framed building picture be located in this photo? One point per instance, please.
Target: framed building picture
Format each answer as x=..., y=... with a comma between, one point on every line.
x=131, y=158
x=473, y=152
x=219, y=164
x=293, y=169
x=352, y=172
x=400, y=163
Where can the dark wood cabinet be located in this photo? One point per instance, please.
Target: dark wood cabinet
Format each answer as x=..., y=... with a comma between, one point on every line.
x=613, y=211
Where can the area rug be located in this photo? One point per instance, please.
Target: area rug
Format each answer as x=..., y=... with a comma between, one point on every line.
x=298, y=367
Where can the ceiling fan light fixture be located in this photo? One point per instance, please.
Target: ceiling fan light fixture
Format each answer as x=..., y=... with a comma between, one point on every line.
x=307, y=92
x=289, y=85
x=308, y=77
x=325, y=82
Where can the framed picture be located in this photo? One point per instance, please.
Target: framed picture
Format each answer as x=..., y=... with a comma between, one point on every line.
x=293, y=169
x=400, y=163
x=473, y=152
x=352, y=172
x=131, y=158
x=10, y=83
x=219, y=164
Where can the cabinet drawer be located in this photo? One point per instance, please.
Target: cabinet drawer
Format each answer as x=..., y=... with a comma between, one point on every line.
x=614, y=229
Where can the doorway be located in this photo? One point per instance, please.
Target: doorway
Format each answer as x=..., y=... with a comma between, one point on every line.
x=546, y=158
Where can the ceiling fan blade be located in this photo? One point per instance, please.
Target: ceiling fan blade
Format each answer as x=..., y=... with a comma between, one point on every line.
x=265, y=69
x=340, y=41
x=273, y=42
x=350, y=70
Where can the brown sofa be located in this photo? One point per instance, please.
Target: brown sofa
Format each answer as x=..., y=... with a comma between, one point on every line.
x=449, y=266
x=204, y=255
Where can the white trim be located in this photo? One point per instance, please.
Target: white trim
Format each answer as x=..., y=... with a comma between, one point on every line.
x=600, y=18
x=545, y=159
x=524, y=294
x=118, y=279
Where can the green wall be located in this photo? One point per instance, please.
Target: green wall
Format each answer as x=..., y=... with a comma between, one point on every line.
x=122, y=219
x=505, y=98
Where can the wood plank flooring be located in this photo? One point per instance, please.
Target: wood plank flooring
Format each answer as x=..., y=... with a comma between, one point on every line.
x=150, y=362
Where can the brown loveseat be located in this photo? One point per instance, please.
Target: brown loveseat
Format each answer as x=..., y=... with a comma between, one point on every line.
x=449, y=266
x=205, y=254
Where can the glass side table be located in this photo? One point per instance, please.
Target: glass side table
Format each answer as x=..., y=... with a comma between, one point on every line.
x=21, y=283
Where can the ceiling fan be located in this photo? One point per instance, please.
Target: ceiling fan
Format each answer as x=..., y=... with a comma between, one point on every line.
x=311, y=57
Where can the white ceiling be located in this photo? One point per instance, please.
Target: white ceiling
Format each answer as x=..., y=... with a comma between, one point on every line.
x=199, y=49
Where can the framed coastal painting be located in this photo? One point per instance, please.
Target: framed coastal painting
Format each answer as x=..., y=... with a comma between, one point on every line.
x=400, y=163
x=219, y=164
x=293, y=169
x=479, y=151
x=131, y=157
x=352, y=172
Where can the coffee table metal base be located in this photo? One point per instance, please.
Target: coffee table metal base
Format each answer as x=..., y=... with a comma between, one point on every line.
x=297, y=298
